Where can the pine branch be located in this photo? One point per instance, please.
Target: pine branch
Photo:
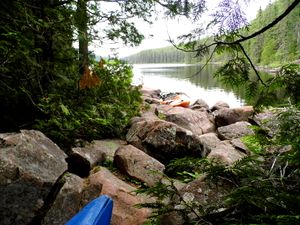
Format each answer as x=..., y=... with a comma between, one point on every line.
x=269, y=26
x=251, y=63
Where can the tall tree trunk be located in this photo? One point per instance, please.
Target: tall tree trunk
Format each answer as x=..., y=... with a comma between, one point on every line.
x=82, y=25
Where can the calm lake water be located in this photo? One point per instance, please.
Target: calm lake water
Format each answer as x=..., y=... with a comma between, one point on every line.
x=187, y=79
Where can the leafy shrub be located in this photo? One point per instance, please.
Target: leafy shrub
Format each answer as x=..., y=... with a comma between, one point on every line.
x=91, y=113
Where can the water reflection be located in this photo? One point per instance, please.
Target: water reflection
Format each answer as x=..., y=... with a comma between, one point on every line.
x=187, y=79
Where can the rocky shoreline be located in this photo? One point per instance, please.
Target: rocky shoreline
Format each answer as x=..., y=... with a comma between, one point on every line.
x=40, y=184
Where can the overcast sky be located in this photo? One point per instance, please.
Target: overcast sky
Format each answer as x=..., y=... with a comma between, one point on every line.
x=157, y=34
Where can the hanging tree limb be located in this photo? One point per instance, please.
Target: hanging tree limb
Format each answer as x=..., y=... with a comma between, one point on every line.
x=241, y=39
x=270, y=25
x=251, y=63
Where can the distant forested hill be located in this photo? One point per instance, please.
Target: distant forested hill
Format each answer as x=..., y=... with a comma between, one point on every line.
x=159, y=55
x=279, y=45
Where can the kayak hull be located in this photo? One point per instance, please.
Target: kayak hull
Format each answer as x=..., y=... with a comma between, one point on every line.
x=97, y=212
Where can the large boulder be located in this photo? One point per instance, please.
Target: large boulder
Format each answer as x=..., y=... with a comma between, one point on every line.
x=226, y=116
x=71, y=198
x=236, y=130
x=125, y=200
x=139, y=165
x=164, y=140
x=30, y=164
x=196, y=121
x=225, y=154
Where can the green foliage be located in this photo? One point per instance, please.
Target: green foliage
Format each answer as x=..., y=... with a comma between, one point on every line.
x=278, y=46
x=160, y=191
x=289, y=127
x=290, y=76
x=109, y=164
x=235, y=72
x=91, y=113
x=261, y=140
x=280, y=88
x=186, y=169
x=263, y=192
x=36, y=51
x=265, y=186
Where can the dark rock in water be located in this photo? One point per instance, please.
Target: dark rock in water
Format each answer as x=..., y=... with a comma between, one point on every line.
x=235, y=130
x=30, y=164
x=139, y=165
x=164, y=140
x=227, y=116
x=197, y=122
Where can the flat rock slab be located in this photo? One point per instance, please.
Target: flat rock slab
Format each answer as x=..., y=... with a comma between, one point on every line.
x=139, y=165
x=236, y=130
x=30, y=164
x=226, y=116
x=196, y=121
x=225, y=154
x=124, y=198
